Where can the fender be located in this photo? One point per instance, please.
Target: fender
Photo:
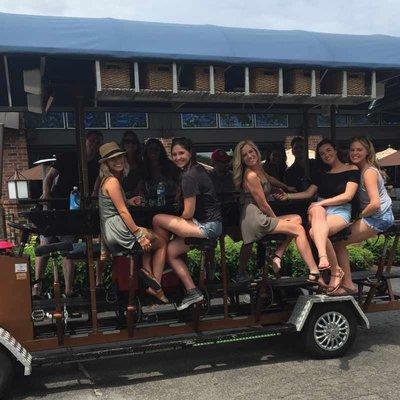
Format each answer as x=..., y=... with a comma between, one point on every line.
x=305, y=303
x=16, y=349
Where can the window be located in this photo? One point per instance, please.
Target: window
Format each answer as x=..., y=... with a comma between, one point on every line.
x=236, y=121
x=325, y=121
x=93, y=120
x=198, y=120
x=272, y=120
x=51, y=120
x=138, y=120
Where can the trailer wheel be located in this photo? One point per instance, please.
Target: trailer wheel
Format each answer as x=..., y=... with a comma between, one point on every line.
x=330, y=330
x=6, y=372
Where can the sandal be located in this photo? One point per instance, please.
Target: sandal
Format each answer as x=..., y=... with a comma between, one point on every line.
x=326, y=267
x=275, y=266
x=340, y=275
x=149, y=279
x=315, y=278
x=158, y=294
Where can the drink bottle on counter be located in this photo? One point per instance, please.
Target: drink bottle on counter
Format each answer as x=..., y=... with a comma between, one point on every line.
x=74, y=199
x=161, y=194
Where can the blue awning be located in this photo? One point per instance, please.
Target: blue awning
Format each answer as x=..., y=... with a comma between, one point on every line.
x=111, y=38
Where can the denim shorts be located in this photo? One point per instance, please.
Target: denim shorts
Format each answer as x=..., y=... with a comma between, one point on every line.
x=380, y=223
x=342, y=210
x=211, y=230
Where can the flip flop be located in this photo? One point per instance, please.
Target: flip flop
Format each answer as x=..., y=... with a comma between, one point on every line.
x=158, y=294
x=149, y=279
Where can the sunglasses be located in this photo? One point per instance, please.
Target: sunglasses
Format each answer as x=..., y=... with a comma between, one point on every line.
x=129, y=141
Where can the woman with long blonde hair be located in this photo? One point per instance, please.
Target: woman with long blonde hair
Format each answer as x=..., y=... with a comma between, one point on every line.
x=258, y=218
x=376, y=206
x=118, y=229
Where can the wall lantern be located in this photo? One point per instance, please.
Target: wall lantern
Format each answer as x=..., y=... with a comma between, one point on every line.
x=18, y=187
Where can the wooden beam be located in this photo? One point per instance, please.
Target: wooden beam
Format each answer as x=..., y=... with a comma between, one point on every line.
x=174, y=78
x=7, y=81
x=373, y=84
x=280, y=82
x=344, y=84
x=212, y=83
x=313, y=84
x=98, y=75
x=136, y=76
x=246, y=81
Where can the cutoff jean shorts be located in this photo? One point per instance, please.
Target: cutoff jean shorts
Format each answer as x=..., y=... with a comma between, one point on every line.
x=380, y=223
x=343, y=210
x=211, y=230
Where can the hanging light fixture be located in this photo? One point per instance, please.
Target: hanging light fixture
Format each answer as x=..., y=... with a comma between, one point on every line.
x=18, y=187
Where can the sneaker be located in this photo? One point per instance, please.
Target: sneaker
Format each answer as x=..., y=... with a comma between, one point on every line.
x=192, y=296
x=242, y=278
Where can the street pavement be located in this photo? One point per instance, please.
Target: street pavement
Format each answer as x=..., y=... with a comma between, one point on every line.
x=274, y=368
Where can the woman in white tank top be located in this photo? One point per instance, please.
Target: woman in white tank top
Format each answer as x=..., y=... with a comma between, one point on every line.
x=376, y=214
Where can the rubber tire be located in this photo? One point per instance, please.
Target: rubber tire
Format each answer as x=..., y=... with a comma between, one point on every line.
x=308, y=331
x=7, y=372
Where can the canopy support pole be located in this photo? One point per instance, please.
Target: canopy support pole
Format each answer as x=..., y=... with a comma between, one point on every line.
x=305, y=146
x=85, y=202
x=333, y=122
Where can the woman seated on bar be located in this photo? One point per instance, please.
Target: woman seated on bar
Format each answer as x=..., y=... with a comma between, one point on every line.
x=159, y=168
x=335, y=183
x=201, y=216
x=132, y=184
x=118, y=229
x=376, y=206
x=257, y=217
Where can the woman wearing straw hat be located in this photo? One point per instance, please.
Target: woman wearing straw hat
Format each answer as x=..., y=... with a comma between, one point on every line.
x=119, y=230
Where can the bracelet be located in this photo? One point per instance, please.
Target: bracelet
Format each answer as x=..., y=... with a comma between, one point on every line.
x=288, y=196
x=138, y=236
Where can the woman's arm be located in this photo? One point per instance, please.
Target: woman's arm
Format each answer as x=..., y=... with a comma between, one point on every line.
x=112, y=189
x=345, y=197
x=307, y=194
x=277, y=183
x=253, y=184
x=189, y=207
x=371, y=185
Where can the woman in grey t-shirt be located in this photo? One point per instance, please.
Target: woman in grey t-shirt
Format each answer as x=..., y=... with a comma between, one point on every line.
x=376, y=207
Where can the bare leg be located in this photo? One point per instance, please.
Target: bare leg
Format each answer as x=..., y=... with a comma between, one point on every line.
x=296, y=230
x=68, y=269
x=359, y=232
x=40, y=265
x=176, y=248
x=320, y=232
x=155, y=261
x=280, y=250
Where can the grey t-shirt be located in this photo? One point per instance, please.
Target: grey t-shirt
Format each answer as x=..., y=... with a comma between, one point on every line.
x=196, y=182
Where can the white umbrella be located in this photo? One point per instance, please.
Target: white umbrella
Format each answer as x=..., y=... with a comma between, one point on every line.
x=385, y=153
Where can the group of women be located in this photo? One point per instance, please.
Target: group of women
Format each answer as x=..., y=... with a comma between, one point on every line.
x=339, y=188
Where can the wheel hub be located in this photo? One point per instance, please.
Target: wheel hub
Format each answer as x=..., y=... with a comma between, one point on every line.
x=331, y=331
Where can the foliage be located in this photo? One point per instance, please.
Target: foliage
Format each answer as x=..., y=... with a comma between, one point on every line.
x=361, y=258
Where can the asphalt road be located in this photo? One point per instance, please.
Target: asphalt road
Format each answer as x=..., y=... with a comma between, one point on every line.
x=274, y=368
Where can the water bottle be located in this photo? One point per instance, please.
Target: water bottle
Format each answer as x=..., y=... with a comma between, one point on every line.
x=161, y=194
x=74, y=199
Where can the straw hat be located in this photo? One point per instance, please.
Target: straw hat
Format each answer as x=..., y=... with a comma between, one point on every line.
x=110, y=150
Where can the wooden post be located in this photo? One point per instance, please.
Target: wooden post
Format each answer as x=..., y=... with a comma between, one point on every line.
x=246, y=81
x=280, y=82
x=333, y=122
x=98, y=75
x=85, y=200
x=305, y=147
x=3, y=233
x=7, y=81
x=344, y=84
x=212, y=83
x=174, y=79
x=313, y=84
x=373, y=85
x=136, y=76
